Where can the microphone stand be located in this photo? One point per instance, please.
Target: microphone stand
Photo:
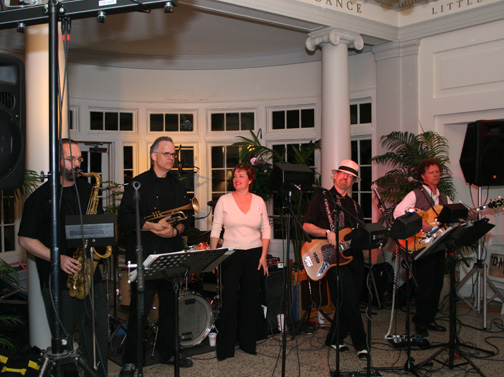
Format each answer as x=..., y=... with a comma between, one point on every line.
x=140, y=279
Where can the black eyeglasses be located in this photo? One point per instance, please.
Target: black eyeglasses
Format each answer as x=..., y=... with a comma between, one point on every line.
x=166, y=154
x=73, y=159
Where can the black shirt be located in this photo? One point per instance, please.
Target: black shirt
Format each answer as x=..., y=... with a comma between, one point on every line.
x=317, y=213
x=156, y=194
x=37, y=223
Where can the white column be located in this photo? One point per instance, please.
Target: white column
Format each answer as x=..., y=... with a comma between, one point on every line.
x=37, y=155
x=336, y=131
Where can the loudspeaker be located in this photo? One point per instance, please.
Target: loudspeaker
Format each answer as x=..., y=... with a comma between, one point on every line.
x=314, y=292
x=482, y=153
x=12, y=122
x=291, y=177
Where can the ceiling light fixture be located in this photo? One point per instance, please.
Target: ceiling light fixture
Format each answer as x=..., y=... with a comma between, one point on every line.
x=168, y=8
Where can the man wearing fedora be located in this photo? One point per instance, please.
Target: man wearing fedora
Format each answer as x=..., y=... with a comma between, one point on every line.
x=323, y=220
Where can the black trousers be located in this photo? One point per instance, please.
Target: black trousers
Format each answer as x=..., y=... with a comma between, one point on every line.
x=166, y=324
x=240, y=299
x=350, y=319
x=429, y=274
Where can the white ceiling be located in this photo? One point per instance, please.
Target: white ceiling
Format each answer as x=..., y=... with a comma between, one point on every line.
x=192, y=37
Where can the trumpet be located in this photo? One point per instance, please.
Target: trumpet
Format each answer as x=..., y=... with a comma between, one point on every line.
x=175, y=214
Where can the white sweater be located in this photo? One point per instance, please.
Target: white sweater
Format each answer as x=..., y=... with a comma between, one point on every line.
x=242, y=231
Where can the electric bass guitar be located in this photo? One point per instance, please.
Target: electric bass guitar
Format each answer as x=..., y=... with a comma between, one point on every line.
x=319, y=256
x=423, y=239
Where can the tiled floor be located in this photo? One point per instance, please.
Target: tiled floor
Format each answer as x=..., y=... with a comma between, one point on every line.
x=307, y=356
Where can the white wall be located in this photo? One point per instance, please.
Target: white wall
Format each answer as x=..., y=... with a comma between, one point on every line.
x=461, y=80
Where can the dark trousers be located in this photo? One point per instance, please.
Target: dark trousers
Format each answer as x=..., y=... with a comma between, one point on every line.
x=240, y=299
x=429, y=274
x=79, y=312
x=350, y=319
x=166, y=324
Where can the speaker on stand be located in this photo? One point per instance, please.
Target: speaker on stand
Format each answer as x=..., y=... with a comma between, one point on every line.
x=481, y=163
x=12, y=122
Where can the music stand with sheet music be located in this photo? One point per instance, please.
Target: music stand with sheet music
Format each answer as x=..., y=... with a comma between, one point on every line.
x=455, y=236
x=176, y=266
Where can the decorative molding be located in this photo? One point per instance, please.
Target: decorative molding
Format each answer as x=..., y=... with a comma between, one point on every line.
x=394, y=50
x=335, y=37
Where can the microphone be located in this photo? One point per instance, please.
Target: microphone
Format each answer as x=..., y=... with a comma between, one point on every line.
x=210, y=203
x=374, y=187
x=413, y=180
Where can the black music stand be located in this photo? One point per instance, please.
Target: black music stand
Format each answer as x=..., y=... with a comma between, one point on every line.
x=176, y=266
x=460, y=235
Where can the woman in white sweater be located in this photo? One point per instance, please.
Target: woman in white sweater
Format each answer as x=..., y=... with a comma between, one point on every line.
x=246, y=226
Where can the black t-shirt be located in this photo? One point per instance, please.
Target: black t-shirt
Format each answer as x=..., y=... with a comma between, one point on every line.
x=155, y=194
x=317, y=213
x=37, y=222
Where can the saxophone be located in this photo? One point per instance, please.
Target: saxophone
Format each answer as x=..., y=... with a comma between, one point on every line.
x=79, y=283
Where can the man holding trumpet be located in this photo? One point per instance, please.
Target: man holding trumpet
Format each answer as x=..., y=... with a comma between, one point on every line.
x=160, y=191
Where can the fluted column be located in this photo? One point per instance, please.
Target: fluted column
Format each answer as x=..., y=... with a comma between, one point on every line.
x=336, y=132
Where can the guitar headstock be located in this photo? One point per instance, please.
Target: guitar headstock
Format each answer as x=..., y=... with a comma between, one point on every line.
x=496, y=203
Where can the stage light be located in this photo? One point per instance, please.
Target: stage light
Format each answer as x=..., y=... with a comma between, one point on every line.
x=101, y=17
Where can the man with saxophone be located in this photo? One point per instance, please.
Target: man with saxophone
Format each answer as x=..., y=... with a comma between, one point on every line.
x=160, y=191
x=35, y=236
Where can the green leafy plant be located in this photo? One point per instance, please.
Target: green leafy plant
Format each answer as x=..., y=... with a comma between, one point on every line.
x=405, y=152
x=9, y=273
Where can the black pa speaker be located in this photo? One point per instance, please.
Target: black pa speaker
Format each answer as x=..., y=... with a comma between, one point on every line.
x=274, y=288
x=12, y=122
x=291, y=177
x=482, y=153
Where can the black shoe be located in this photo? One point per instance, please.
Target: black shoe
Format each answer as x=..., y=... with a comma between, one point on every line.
x=422, y=330
x=342, y=348
x=128, y=370
x=184, y=362
x=435, y=327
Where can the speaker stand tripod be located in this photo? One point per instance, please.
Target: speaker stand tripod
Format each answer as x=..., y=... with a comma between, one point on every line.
x=480, y=270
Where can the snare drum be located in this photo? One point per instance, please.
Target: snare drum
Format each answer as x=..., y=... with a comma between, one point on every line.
x=195, y=319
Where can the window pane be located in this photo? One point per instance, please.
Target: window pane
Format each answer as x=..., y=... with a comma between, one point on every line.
x=156, y=122
x=128, y=157
x=278, y=120
x=229, y=179
x=128, y=176
x=218, y=157
x=365, y=113
x=96, y=119
x=9, y=238
x=311, y=160
x=126, y=121
x=293, y=119
x=95, y=162
x=70, y=119
x=280, y=149
x=218, y=180
x=247, y=121
x=232, y=121
x=8, y=210
x=186, y=122
x=365, y=202
x=188, y=181
x=308, y=118
x=365, y=152
x=232, y=156
x=217, y=122
x=111, y=121
x=353, y=114
x=291, y=156
x=171, y=122
x=365, y=174
x=355, y=151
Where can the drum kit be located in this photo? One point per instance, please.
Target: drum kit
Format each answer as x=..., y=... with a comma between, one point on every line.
x=197, y=311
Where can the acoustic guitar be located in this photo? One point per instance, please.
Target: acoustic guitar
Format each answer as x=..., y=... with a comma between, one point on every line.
x=319, y=256
x=422, y=239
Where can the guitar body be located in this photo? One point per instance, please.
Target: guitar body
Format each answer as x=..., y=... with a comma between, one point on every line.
x=421, y=239
x=319, y=256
